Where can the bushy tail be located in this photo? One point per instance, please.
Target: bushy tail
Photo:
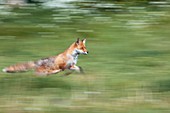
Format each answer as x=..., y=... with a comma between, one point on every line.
x=19, y=67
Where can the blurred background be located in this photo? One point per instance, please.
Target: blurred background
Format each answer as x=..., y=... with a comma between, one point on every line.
x=127, y=70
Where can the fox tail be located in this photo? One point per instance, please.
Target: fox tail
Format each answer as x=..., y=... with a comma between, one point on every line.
x=19, y=67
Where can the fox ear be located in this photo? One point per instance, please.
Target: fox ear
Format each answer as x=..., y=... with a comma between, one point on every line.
x=84, y=41
x=77, y=42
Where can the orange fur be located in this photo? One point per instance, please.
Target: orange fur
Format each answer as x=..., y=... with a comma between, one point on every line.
x=54, y=64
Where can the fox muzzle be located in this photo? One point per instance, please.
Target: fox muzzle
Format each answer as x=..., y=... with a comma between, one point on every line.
x=85, y=53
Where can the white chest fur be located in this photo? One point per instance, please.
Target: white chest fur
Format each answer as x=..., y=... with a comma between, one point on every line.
x=75, y=59
x=72, y=60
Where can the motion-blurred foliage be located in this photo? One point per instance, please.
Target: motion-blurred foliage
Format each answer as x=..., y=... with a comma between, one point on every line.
x=127, y=70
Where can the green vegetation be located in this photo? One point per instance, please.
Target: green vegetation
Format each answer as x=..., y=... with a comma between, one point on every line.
x=127, y=70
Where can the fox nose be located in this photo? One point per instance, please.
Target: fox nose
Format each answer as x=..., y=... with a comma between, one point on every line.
x=87, y=51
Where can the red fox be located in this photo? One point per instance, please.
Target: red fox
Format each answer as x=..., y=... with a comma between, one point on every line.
x=54, y=64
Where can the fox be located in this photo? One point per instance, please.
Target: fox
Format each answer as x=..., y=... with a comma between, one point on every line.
x=54, y=64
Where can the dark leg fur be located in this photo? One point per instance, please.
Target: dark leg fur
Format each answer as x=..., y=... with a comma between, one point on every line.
x=81, y=70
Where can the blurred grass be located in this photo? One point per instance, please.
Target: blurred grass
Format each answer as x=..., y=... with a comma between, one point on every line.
x=127, y=70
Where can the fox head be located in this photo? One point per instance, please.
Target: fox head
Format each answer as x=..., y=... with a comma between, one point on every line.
x=80, y=46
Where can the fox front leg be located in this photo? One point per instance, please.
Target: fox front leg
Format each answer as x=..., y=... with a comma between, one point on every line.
x=81, y=70
x=74, y=68
x=77, y=69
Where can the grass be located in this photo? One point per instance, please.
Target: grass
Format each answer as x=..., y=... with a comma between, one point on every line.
x=127, y=70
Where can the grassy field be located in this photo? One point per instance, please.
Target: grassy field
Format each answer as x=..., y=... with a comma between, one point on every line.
x=127, y=70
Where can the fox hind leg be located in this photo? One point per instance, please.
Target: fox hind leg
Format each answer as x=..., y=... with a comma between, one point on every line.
x=44, y=71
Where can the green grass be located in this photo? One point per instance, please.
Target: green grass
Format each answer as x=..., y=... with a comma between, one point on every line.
x=127, y=70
